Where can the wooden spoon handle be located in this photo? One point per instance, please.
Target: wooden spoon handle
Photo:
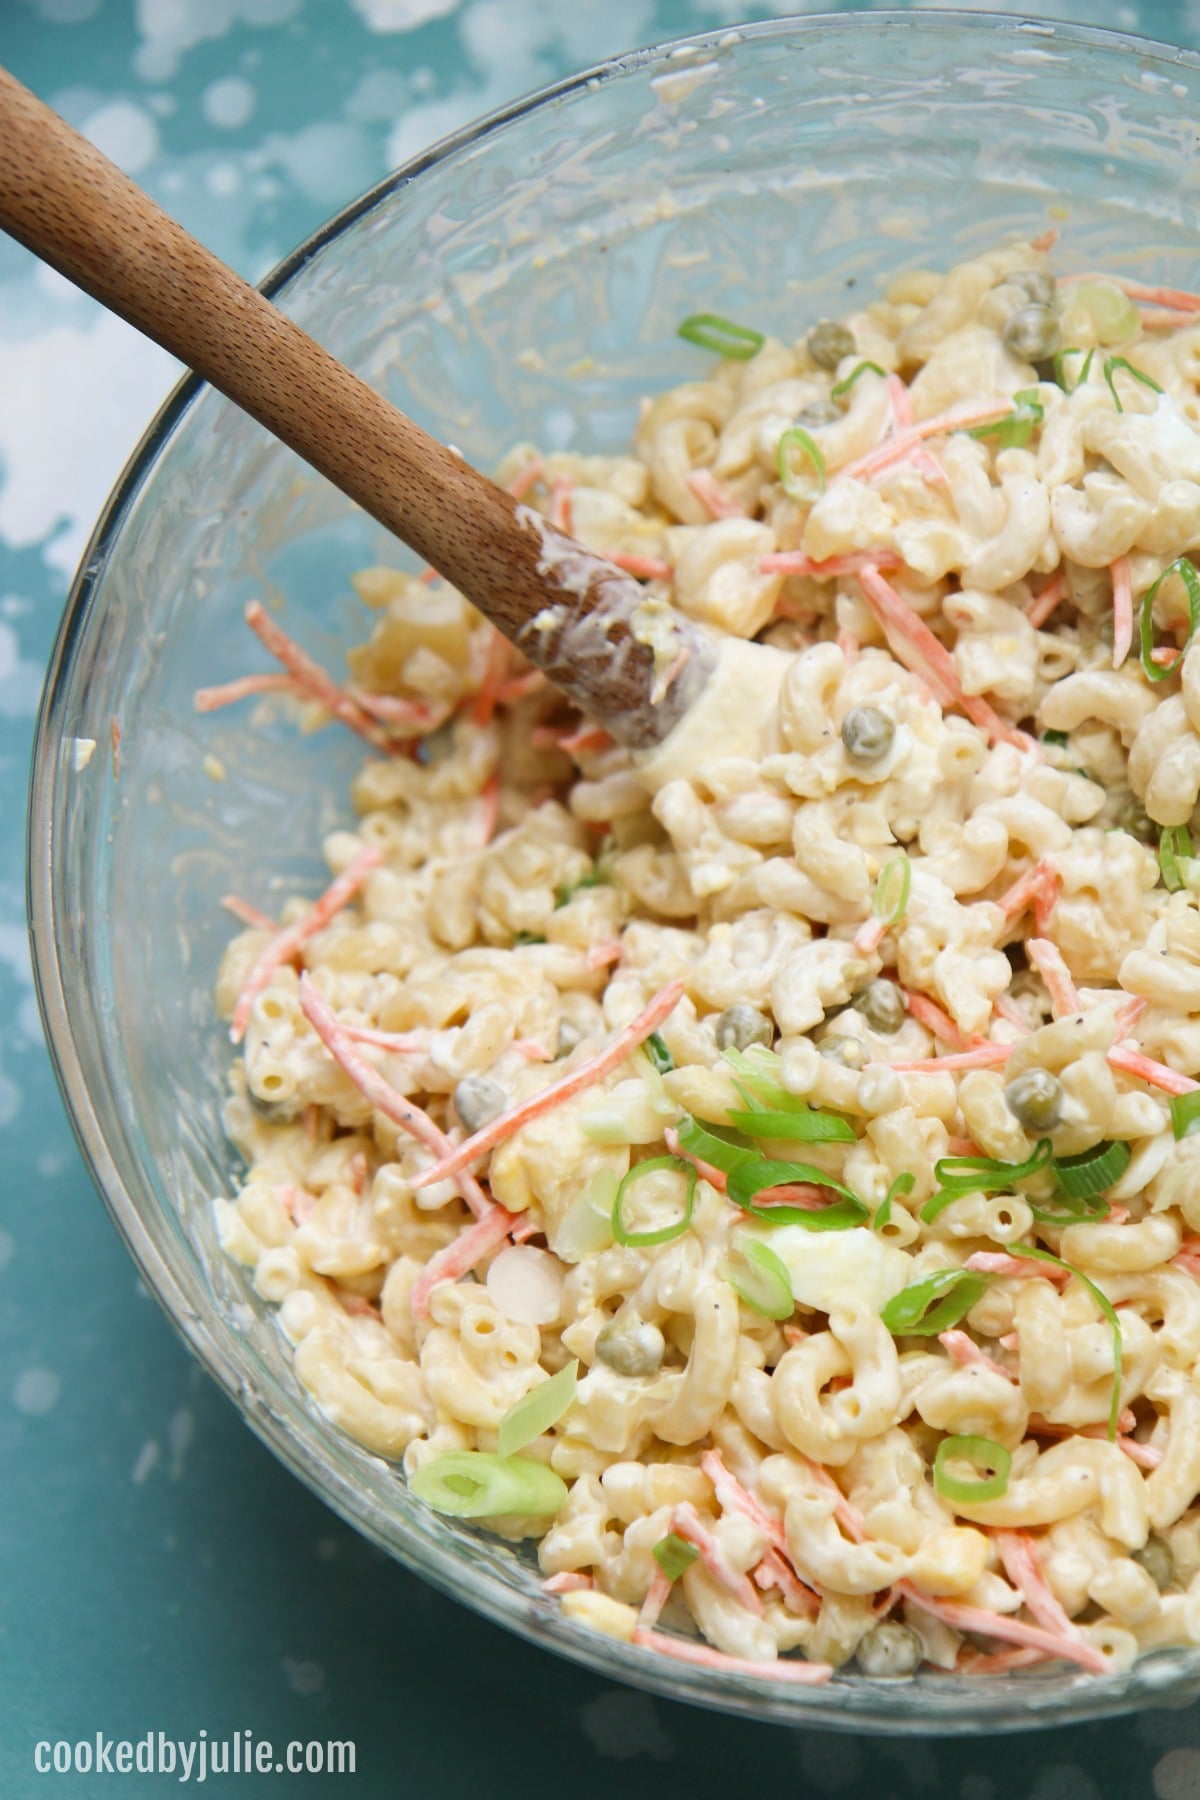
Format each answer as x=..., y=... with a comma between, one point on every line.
x=75, y=210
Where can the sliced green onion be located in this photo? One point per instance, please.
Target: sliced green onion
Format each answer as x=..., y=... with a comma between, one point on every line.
x=537, y=1411
x=1112, y=313
x=890, y=900
x=796, y=438
x=528, y=937
x=808, y=1127
x=1106, y=1307
x=959, y=1175
x=1092, y=1172
x=712, y=332
x=724, y=1150
x=1058, y=738
x=1112, y=364
x=677, y=1227
x=934, y=1304
x=1185, y=1113
x=981, y=1453
x=759, y=1277
x=472, y=1484
x=903, y=1184
x=843, y=387
x=758, y=1070
x=1191, y=581
x=755, y=1173
x=1014, y=430
x=1175, y=846
x=1060, y=368
x=674, y=1554
x=587, y=1223
x=1065, y=1209
x=596, y=878
x=658, y=1053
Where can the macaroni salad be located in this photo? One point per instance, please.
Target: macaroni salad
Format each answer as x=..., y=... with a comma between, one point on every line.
x=765, y=1170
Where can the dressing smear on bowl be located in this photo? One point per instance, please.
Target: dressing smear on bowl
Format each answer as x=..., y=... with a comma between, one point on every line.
x=764, y=1170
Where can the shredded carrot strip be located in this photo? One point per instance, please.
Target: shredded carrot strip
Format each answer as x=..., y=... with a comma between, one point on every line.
x=526, y=478
x=382, y=1096
x=1006, y=1629
x=355, y=1305
x=1026, y=890
x=687, y=1524
x=115, y=735
x=902, y=412
x=999, y=1262
x=532, y=1050
x=489, y=817
x=284, y=946
x=1047, y=959
x=777, y=1563
x=714, y=1177
x=870, y=935
x=404, y=1041
x=927, y=1012
x=1132, y=1062
x=604, y=955
x=206, y=700
x=649, y=568
x=568, y=1582
x=961, y=1146
x=1018, y=1553
x=560, y=502
x=1167, y=318
x=794, y=562
x=525, y=1228
x=1122, y=592
x=966, y=1351
x=676, y=669
x=709, y=492
x=455, y=1260
x=998, y=1662
x=849, y=646
x=249, y=915
x=657, y=1595
x=586, y=1075
x=1040, y=607
x=495, y=668
x=896, y=447
x=1045, y=240
x=803, y=1674
x=414, y=716
x=521, y=686
x=983, y=1056
x=919, y=650
x=310, y=678
x=1007, y=1009
x=590, y=737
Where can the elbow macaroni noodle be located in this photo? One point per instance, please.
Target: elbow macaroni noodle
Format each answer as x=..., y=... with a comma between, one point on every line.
x=537, y=885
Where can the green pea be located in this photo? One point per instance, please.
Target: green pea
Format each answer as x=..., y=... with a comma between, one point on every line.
x=867, y=734
x=1035, y=1100
x=1156, y=1558
x=629, y=1346
x=882, y=1006
x=828, y=342
x=1038, y=285
x=851, y=1052
x=1033, y=334
x=889, y=1649
x=818, y=413
x=476, y=1100
x=741, y=1025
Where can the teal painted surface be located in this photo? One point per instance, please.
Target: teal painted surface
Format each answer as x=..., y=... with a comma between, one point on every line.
x=160, y=1572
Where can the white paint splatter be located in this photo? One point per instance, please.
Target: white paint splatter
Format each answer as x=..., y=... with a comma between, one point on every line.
x=1177, y=1775
x=329, y=161
x=147, y=1459
x=7, y=1249
x=304, y=1678
x=76, y=401
x=67, y=12
x=125, y=133
x=327, y=1549
x=170, y=28
x=621, y=1725
x=181, y=1430
x=1064, y=1781
x=831, y=1764
x=229, y=102
x=50, y=1163
x=36, y=1391
x=401, y=15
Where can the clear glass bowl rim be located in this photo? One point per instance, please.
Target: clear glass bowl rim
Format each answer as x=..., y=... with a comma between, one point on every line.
x=875, y=1707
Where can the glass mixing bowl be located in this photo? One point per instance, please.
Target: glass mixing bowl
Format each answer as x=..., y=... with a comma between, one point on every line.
x=522, y=280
